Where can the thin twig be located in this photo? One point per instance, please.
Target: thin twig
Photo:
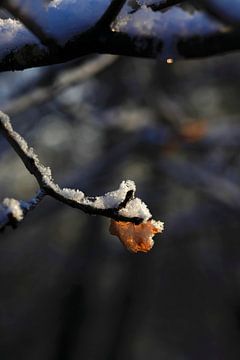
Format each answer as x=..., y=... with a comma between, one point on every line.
x=120, y=205
x=13, y=211
x=64, y=80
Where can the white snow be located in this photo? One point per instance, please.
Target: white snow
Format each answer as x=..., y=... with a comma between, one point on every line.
x=114, y=198
x=64, y=19
x=75, y=195
x=167, y=26
x=111, y=200
x=13, y=36
x=136, y=208
x=61, y=20
x=174, y=21
x=14, y=208
x=159, y=225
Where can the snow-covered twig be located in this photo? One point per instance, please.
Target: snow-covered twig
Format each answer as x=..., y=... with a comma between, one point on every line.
x=120, y=205
x=13, y=211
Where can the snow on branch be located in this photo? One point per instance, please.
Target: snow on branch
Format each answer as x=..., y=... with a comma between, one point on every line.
x=60, y=19
x=40, y=35
x=29, y=20
x=144, y=28
x=13, y=211
x=120, y=205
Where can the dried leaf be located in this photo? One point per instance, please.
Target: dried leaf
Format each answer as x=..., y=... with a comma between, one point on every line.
x=136, y=237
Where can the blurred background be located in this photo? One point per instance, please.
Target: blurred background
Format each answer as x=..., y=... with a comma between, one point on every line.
x=69, y=290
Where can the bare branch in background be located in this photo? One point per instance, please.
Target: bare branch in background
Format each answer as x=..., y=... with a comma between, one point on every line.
x=65, y=79
x=119, y=205
x=216, y=187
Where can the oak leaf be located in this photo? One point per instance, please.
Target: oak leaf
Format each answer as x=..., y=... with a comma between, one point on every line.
x=136, y=237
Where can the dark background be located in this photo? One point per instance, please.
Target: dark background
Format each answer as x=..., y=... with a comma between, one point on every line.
x=68, y=289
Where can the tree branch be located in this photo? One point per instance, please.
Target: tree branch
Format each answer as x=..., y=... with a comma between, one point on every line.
x=65, y=79
x=120, y=205
x=13, y=211
x=175, y=33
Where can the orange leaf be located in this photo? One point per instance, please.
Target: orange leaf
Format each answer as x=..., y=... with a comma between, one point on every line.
x=136, y=237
